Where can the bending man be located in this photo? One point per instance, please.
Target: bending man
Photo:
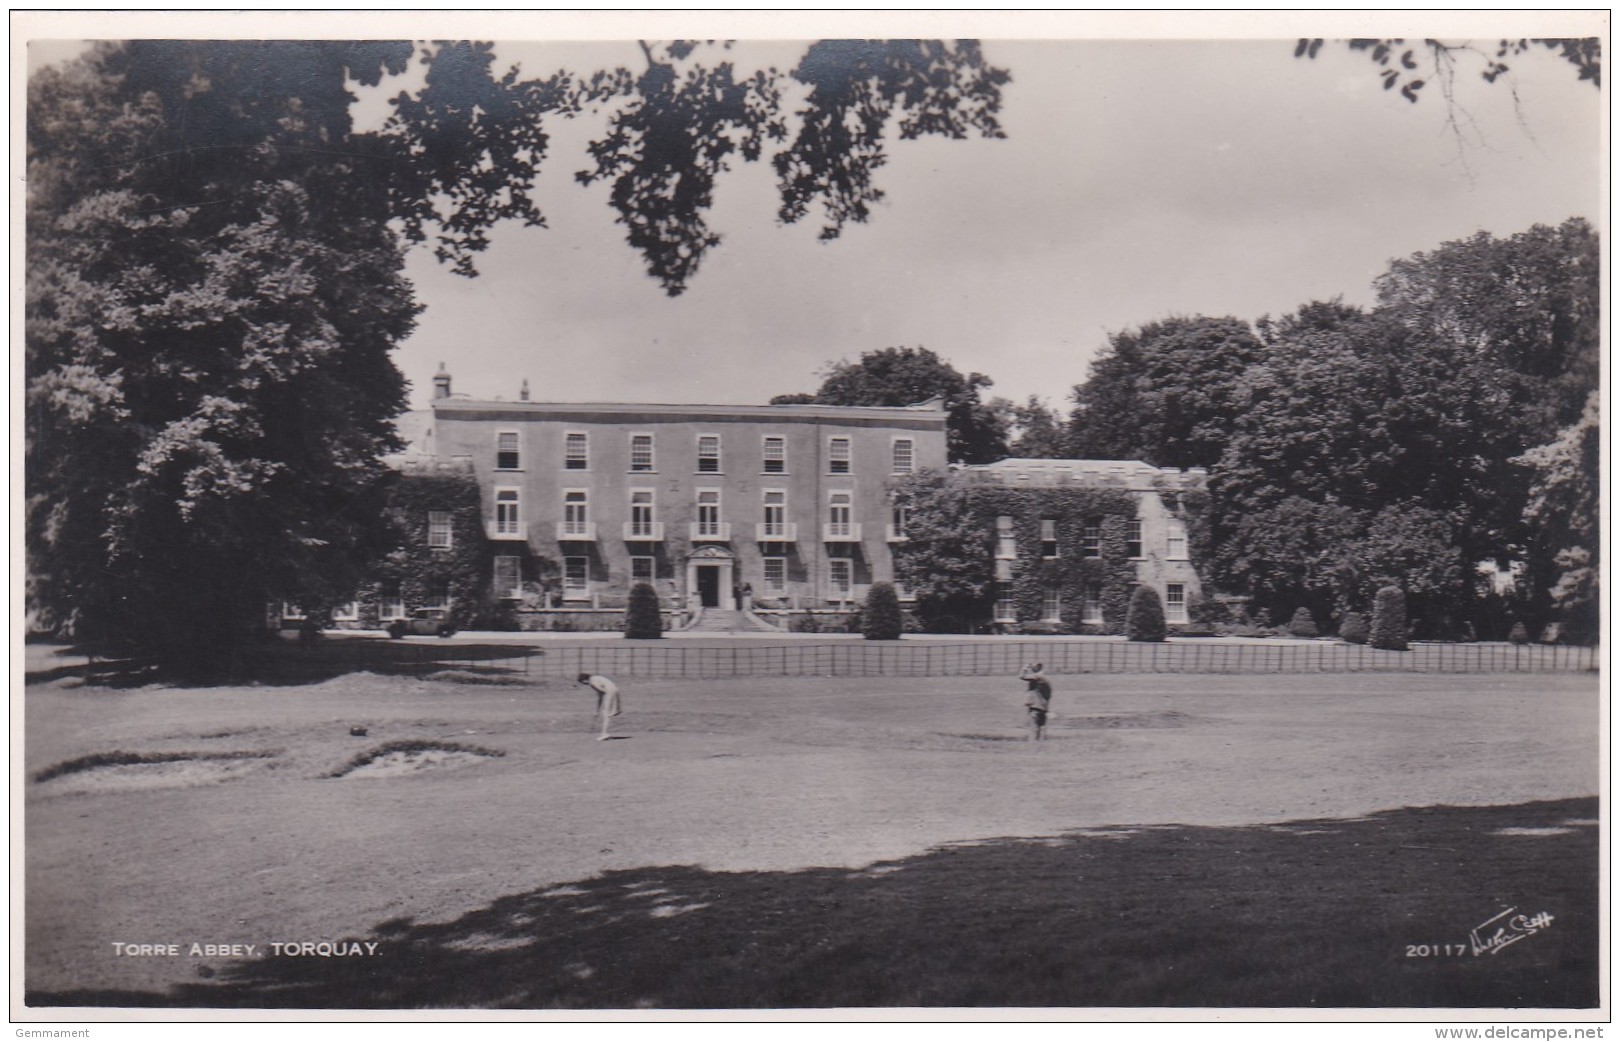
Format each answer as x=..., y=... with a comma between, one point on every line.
x=607, y=699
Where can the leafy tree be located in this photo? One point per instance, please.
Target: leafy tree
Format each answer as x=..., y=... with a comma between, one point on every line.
x=1164, y=393
x=214, y=279
x=643, y=619
x=1411, y=66
x=1356, y=414
x=1563, y=514
x=1295, y=551
x=1145, y=619
x=975, y=431
x=1415, y=548
x=211, y=297
x=1038, y=431
x=881, y=618
x=1526, y=307
x=1207, y=610
x=1397, y=435
x=1389, y=620
x=1318, y=316
x=677, y=123
x=947, y=562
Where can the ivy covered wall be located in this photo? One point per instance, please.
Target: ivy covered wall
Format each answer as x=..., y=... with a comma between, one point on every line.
x=948, y=560
x=1111, y=572
x=417, y=568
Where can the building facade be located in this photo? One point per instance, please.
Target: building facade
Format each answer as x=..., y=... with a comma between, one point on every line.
x=1072, y=538
x=787, y=505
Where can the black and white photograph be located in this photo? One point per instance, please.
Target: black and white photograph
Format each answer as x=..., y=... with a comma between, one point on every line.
x=934, y=516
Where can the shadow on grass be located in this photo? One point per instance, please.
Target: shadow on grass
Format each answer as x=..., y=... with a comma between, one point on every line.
x=1311, y=914
x=277, y=662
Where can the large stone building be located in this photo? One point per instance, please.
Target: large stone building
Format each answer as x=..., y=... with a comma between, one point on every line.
x=1154, y=544
x=790, y=501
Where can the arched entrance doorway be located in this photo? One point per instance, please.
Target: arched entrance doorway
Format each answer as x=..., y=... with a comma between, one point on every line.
x=710, y=574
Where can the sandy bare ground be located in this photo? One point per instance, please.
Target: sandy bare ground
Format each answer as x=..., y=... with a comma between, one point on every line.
x=776, y=774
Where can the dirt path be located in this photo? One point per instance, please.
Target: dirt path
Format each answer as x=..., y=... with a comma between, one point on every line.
x=732, y=775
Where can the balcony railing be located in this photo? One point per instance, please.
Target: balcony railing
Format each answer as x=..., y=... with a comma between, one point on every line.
x=776, y=532
x=841, y=532
x=711, y=531
x=577, y=530
x=508, y=531
x=644, y=531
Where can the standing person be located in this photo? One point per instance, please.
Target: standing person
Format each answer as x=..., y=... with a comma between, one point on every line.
x=607, y=699
x=1038, y=701
x=747, y=597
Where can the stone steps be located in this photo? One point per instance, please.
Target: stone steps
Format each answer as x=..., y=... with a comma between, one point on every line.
x=719, y=620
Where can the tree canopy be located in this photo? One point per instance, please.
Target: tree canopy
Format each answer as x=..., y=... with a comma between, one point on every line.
x=1562, y=513
x=1037, y=431
x=1526, y=307
x=1354, y=448
x=676, y=124
x=212, y=292
x=976, y=432
x=1163, y=393
x=214, y=280
x=1412, y=66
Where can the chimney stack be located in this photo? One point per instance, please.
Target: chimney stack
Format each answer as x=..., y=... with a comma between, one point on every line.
x=441, y=383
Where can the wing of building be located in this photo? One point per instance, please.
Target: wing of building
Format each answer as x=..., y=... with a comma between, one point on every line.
x=1070, y=543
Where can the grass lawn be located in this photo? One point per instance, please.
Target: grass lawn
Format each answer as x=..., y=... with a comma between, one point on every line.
x=1258, y=841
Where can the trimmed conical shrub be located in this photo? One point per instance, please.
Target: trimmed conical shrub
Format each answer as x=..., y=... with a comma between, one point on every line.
x=643, y=619
x=1519, y=635
x=1302, y=625
x=1389, y=620
x=881, y=618
x=1144, y=620
x=1353, y=628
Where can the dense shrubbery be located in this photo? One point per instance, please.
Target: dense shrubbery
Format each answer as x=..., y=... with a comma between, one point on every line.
x=1144, y=620
x=831, y=622
x=1207, y=610
x=1389, y=620
x=1353, y=628
x=497, y=616
x=643, y=618
x=1519, y=635
x=881, y=618
x=1302, y=625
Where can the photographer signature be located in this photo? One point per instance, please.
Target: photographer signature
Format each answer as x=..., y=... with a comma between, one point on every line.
x=1506, y=928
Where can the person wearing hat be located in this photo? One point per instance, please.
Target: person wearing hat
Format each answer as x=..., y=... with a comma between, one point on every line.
x=1038, y=701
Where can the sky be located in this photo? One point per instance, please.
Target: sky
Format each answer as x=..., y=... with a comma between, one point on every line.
x=1138, y=179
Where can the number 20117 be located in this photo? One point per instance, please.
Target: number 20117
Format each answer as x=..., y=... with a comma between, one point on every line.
x=1424, y=951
